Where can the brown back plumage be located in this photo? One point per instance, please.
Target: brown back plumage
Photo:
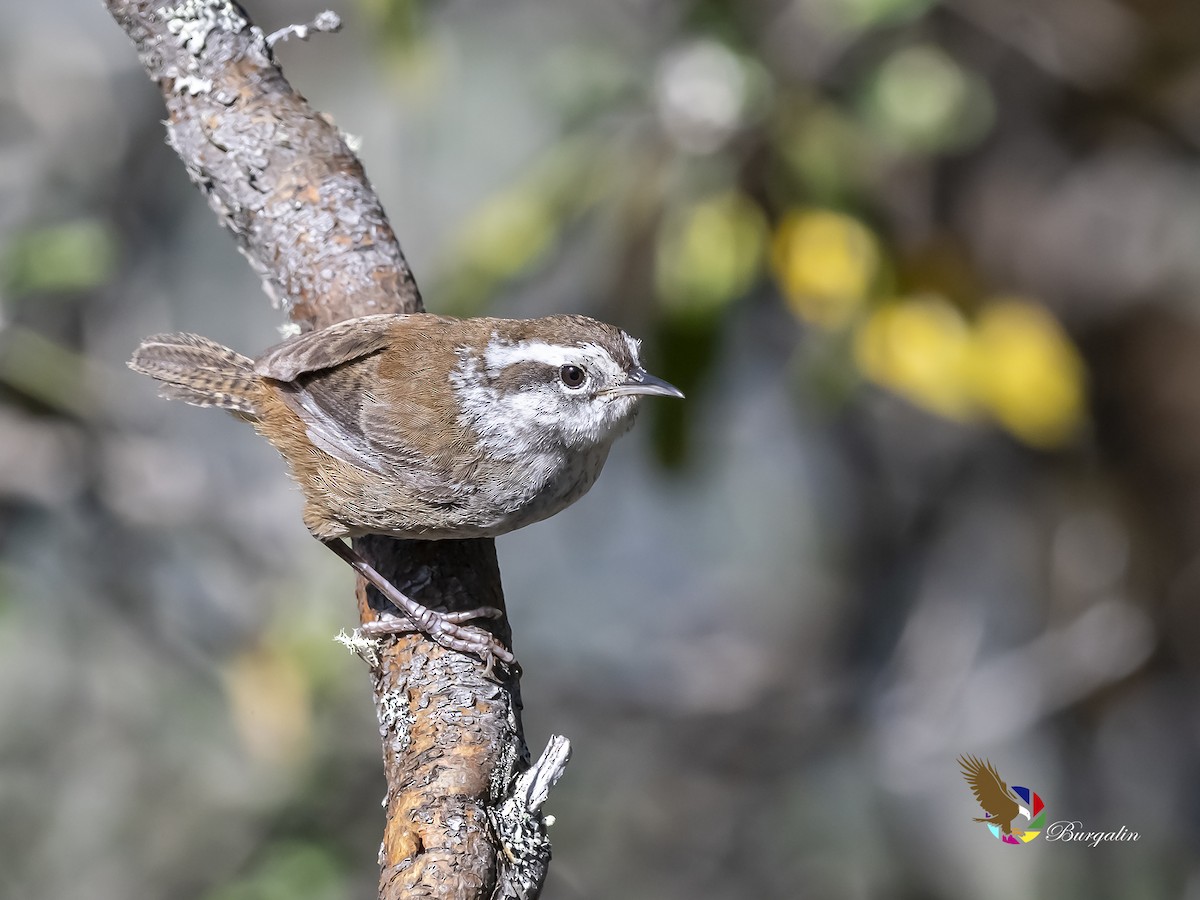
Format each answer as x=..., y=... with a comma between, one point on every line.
x=199, y=371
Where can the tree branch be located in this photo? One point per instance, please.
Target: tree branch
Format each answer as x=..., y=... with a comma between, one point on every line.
x=279, y=175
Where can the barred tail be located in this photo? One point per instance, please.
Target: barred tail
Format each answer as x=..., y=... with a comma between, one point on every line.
x=199, y=371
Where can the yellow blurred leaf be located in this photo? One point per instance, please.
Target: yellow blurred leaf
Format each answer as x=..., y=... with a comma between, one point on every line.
x=711, y=253
x=1027, y=372
x=1016, y=363
x=919, y=348
x=826, y=263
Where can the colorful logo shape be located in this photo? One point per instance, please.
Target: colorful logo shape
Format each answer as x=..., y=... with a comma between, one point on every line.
x=1002, y=804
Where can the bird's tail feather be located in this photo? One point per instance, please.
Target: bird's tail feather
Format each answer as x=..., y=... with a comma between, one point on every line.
x=199, y=371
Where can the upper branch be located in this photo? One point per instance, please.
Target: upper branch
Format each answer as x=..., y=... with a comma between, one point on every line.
x=278, y=174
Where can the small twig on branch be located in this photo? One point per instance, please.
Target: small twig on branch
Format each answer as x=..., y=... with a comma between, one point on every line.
x=519, y=823
x=327, y=22
x=280, y=177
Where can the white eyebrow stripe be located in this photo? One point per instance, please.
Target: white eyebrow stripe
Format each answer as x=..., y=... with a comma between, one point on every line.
x=499, y=355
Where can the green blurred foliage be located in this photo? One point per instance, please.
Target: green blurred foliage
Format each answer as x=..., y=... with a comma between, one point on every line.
x=45, y=371
x=862, y=14
x=686, y=342
x=73, y=256
x=822, y=154
x=581, y=81
x=709, y=254
x=288, y=870
x=921, y=101
x=515, y=230
x=395, y=24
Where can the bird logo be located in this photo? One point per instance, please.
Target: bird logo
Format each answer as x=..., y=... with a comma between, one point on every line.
x=1002, y=804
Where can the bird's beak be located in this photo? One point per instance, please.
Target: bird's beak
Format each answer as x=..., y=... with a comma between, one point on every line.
x=639, y=381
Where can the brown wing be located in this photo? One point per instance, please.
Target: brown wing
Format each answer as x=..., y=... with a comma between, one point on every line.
x=326, y=377
x=989, y=788
x=357, y=404
x=326, y=348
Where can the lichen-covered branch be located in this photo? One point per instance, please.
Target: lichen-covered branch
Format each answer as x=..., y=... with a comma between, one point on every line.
x=276, y=172
x=280, y=176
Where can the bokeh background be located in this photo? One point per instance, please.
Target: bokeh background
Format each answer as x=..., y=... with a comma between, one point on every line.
x=929, y=271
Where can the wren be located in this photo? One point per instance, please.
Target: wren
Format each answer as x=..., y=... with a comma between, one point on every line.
x=425, y=427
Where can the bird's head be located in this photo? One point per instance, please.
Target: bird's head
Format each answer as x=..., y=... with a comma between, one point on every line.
x=566, y=380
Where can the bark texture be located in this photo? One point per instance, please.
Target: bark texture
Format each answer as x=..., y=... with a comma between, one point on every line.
x=463, y=804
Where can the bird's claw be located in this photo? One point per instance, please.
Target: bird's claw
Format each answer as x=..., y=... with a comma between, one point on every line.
x=448, y=630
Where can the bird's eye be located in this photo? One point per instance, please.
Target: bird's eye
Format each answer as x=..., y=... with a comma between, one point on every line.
x=572, y=376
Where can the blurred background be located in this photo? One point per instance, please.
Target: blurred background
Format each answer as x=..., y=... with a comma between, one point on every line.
x=929, y=272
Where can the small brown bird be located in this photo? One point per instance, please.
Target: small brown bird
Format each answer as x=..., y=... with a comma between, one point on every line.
x=424, y=426
x=992, y=793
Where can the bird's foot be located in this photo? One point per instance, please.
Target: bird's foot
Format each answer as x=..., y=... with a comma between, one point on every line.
x=445, y=628
x=448, y=629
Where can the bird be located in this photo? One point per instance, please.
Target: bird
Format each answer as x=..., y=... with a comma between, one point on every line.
x=422, y=426
x=993, y=794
